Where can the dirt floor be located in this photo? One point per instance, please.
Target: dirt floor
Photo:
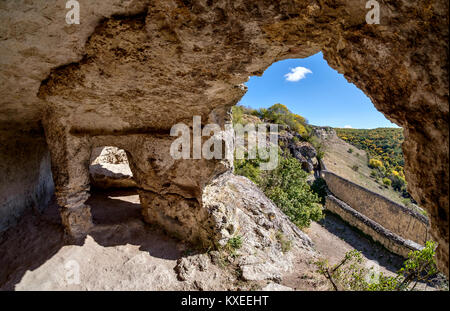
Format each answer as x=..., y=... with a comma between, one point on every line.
x=122, y=252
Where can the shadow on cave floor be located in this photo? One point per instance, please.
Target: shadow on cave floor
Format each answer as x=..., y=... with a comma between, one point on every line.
x=38, y=238
x=118, y=221
x=333, y=238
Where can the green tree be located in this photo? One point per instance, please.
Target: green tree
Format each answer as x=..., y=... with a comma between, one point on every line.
x=286, y=186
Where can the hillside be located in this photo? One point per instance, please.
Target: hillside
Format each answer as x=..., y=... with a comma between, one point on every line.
x=384, y=144
x=372, y=158
x=352, y=163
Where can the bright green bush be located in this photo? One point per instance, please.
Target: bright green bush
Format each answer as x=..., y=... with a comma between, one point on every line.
x=286, y=186
x=249, y=169
x=235, y=242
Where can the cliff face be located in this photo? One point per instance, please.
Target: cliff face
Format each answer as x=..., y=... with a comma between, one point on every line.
x=132, y=69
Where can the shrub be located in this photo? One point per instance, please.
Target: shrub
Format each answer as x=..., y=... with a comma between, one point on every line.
x=319, y=187
x=350, y=274
x=286, y=244
x=398, y=183
x=248, y=168
x=350, y=150
x=374, y=163
x=407, y=202
x=316, y=143
x=286, y=186
x=235, y=242
x=280, y=114
x=387, y=181
x=355, y=168
x=237, y=113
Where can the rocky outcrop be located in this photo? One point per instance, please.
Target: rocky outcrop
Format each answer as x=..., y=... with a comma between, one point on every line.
x=132, y=69
x=306, y=154
x=323, y=132
x=269, y=240
x=303, y=151
x=110, y=169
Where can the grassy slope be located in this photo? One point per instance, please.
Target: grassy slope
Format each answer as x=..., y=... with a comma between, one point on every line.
x=340, y=161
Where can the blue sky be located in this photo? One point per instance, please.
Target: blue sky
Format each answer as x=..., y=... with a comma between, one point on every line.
x=311, y=88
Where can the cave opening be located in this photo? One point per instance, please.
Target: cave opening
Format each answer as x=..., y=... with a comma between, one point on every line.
x=316, y=96
x=113, y=195
x=159, y=77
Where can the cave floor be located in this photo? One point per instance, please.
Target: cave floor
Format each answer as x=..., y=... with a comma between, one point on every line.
x=121, y=252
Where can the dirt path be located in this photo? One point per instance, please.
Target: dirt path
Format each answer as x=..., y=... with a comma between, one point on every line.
x=333, y=238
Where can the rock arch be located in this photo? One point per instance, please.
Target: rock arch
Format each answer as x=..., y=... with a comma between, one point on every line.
x=149, y=65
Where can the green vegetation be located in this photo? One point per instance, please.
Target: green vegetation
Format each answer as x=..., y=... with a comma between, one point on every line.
x=385, y=157
x=280, y=114
x=277, y=114
x=382, y=143
x=286, y=244
x=317, y=144
x=227, y=253
x=350, y=274
x=387, y=181
x=286, y=186
x=319, y=187
x=234, y=243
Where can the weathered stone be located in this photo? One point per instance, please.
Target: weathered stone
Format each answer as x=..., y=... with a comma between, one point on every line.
x=110, y=169
x=239, y=208
x=276, y=287
x=138, y=67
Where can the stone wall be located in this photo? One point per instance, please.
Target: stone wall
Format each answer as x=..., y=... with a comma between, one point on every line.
x=387, y=238
x=26, y=179
x=394, y=217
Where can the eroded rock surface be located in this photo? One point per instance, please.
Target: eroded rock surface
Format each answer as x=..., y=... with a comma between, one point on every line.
x=270, y=241
x=110, y=169
x=132, y=69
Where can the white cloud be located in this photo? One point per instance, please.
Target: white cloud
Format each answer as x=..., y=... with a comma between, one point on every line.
x=348, y=127
x=297, y=74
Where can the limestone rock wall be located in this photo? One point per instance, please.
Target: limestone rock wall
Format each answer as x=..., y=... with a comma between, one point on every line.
x=28, y=187
x=110, y=168
x=138, y=67
x=400, y=220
